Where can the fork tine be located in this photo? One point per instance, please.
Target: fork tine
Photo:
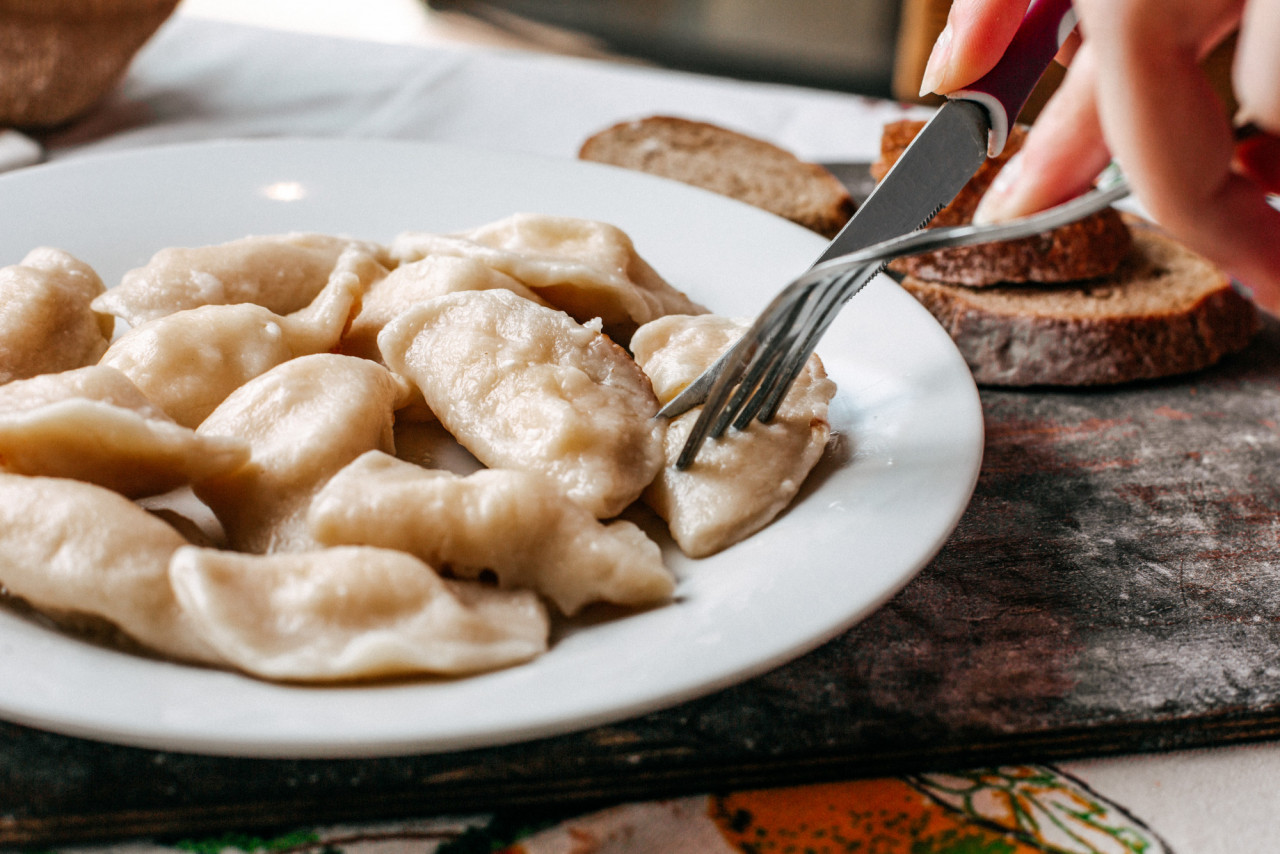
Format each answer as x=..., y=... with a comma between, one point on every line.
x=818, y=307
x=841, y=289
x=740, y=359
x=775, y=341
x=698, y=392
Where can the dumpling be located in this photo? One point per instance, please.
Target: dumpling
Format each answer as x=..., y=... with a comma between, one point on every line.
x=189, y=361
x=93, y=424
x=351, y=613
x=525, y=387
x=46, y=323
x=586, y=268
x=280, y=272
x=518, y=525
x=741, y=481
x=72, y=550
x=418, y=282
x=303, y=421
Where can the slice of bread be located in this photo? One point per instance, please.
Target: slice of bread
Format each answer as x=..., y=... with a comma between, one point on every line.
x=1165, y=311
x=729, y=163
x=1086, y=249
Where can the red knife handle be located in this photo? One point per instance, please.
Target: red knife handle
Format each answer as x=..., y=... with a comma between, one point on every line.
x=1005, y=88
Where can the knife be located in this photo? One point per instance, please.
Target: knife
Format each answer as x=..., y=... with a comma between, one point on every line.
x=972, y=125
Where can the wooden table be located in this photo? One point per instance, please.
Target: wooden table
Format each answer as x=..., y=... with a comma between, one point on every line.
x=1114, y=586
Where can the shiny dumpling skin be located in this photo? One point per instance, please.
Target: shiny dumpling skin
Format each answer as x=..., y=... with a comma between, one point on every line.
x=517, y=524
x=740, y=482
x=303, y=421
x=93, y=424
x=351, y=613
x=526, y=387
x=283, y=273
x=416, y=282
x=189, y=361
x=46, y=320
x=586, y=268
x=72, y=549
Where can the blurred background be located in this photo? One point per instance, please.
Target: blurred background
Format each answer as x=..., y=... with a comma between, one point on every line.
x=871, y=47
x=836, y=44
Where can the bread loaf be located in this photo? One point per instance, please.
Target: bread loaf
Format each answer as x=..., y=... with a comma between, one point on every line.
x=729, y=163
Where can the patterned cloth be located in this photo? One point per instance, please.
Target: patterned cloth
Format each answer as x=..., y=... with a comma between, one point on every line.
x=1011, y=810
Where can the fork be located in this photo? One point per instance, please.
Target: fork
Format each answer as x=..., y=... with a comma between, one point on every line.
x=750, y=379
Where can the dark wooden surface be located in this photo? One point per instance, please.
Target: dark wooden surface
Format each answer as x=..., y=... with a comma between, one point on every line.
x=1113, y=586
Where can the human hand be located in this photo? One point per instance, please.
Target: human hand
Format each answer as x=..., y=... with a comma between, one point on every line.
x=1134, y=90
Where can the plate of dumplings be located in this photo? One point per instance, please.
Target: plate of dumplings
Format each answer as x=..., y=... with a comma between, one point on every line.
x=326, y=448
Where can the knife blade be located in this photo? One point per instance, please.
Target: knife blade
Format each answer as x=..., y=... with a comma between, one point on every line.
x=929, y=174
x=971, y=125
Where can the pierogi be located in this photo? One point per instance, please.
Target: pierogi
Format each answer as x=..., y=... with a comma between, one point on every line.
x=351, y=613
x=46, y=322
x=526, y=387
x=93, y=424
x=280, y=272
x=261, y=388
x=303, y=420
x=189, y=361
x=516, y=524
x=73, y=550
x=416, y=282
x=586, y=268
x=741, y=481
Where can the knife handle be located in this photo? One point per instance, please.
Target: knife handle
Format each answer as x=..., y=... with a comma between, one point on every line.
x=1004, y=89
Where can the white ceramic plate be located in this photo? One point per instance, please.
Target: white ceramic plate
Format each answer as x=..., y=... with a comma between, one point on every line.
x=889, y=491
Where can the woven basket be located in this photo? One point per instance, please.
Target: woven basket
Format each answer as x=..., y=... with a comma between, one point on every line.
x=59, y=57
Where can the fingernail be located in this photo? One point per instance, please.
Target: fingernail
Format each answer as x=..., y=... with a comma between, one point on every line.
x=997, y=202
x=935, y=68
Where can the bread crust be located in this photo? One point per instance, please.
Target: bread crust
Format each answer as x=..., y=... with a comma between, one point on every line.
x=732, y=164
x=1166, y=311
x=1089, y=248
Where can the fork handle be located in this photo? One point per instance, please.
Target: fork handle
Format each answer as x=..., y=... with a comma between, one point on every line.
x=1004, y=90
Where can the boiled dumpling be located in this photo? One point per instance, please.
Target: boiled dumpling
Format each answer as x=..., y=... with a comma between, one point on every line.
x=46, y=323
x=518, y=525
x=525, y=387
x=417, y=282
x=189, y=361
x=740, y=482
x=280, y=272
x=94, y=424
x=73, y=549
x=589, y=269
x=303, y=421
x=351, y=613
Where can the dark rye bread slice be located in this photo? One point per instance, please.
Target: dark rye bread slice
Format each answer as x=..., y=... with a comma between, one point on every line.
x=1089, y=248
x=729, y=163
x=1165, y=311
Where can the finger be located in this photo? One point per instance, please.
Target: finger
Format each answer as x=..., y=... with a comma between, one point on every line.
x=974, y=39
x=1172, y=135
x=1256, y=73
x=1063, y=153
